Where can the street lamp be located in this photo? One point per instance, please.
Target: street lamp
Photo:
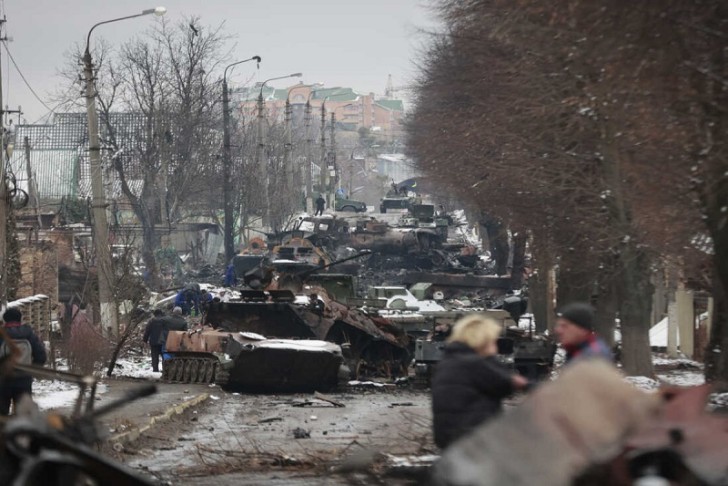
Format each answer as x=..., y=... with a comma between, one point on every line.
x=227, y=163
x=259, y=148
x=109, y=320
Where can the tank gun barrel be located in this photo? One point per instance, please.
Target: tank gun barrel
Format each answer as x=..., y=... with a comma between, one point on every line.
x=305, y=273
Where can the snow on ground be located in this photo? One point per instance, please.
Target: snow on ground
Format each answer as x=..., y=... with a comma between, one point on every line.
x=52, y=394
x=137, y=367
x=643, y=383
x=682, y=363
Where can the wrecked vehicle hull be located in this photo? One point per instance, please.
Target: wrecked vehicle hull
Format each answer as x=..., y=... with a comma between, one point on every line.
x=251, y=362
x=372, y=346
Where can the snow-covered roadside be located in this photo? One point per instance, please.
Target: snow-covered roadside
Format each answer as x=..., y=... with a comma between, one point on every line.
x=55, y=394
x=137, y=367
x=679, y=372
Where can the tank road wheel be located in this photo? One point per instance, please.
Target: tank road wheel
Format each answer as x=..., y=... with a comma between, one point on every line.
x=179, y=369
x=165, y=370
x=221, y=375
x=207, y=373
x=187, y=371
x=196, y=365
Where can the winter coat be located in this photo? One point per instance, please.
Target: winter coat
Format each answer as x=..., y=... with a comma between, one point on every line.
x=16, y=330
x=467, y=389
x=175, y=323
x=592, y=347
x=154, y=332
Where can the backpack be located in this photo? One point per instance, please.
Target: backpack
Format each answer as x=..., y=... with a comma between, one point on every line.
x=23, y=345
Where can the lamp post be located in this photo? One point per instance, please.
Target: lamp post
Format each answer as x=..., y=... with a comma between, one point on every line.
x=108, y=318
x=308, y=117
x=332, y=170
x=288, y=152
x=262, y=166
x=227, y=164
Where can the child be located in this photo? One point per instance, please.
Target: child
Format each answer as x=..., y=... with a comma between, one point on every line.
x=469, y=384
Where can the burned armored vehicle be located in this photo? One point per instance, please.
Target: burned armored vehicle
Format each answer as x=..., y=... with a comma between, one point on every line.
x=249, y=361
x=381, y=238
x=371, y=345
x=532, y=356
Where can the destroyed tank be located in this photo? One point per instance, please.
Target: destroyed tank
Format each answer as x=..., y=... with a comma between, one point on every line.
x=371, y=345
x=381, y=238
x=249, y=361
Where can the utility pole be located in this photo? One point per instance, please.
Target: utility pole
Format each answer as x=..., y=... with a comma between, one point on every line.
x=32, y=188
x=262, y=166
x=287, y=149
x=331, y=172
x=260, y=160
x=322, y=174
x=309, y=157
x=109, y=319
x=227, y=165
x=109, y=311
x=226, y=174
x=3, y=200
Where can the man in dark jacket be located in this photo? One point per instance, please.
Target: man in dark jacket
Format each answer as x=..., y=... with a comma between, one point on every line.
x=469, y=383
x=154, y=335
x=320, y=206
x=175, y=322
x=19, y=383
x=575, y=332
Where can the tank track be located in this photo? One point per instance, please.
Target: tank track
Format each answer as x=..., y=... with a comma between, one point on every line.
x=193, y=369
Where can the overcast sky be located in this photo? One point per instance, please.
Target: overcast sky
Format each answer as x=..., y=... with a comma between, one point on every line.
x=354, y=43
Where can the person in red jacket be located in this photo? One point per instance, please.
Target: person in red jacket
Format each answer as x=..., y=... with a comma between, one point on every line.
x=19, y=383
x=469, y=383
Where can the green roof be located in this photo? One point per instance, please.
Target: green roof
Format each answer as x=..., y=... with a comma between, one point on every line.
x=393, y=105
x=335, y=94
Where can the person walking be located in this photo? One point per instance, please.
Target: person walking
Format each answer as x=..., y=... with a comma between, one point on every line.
x=155, y=336
x=575, y=332
x=32, y=351
x=469, y=384
x=320, y=206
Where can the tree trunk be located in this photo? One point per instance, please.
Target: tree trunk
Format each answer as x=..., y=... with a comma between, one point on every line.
x=498, y=238
x=575, y=281
x=519, y=259
x=605, y=305
x=716, y=354
x=634, y=293
x=538, y=290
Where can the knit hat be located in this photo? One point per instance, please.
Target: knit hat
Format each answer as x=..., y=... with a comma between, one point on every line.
x=177, y=311
x=578, y=313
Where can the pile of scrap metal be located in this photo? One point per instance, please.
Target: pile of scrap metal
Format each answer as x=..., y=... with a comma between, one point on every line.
x=591, y=427
x=51, y=449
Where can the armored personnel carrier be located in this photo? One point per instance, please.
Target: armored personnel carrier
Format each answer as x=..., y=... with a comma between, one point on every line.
x=249, y=361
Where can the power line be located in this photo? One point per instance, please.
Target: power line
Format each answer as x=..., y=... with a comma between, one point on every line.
x=22, y=76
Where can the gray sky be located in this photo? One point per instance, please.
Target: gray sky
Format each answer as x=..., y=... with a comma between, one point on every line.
x=354, y=43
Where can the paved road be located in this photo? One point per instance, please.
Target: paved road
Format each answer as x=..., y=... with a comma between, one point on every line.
x=249, y=439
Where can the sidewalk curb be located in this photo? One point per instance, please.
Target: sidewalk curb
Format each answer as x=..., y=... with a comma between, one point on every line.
x=135, y=433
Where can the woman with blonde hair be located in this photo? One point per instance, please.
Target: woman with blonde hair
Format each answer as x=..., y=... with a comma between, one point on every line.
x=469, y=384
